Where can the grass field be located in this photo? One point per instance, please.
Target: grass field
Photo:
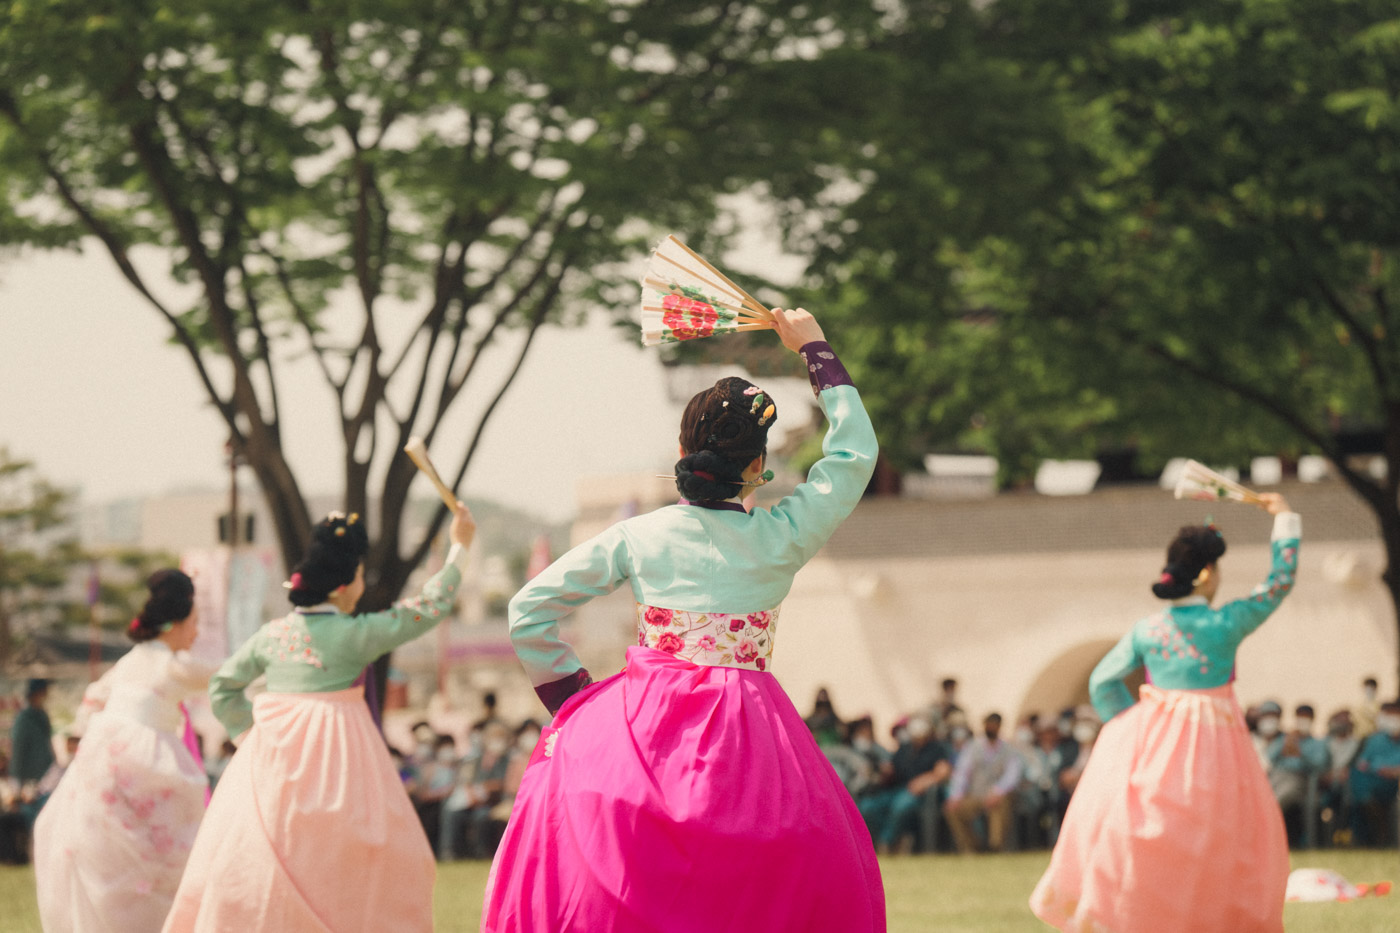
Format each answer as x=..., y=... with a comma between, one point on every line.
x=947, y=894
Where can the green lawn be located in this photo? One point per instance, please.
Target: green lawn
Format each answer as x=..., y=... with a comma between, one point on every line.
x=941, y=893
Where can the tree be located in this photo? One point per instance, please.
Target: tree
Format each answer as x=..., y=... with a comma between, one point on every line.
x=1169, y=225
x=43, y=568
x=454, y=175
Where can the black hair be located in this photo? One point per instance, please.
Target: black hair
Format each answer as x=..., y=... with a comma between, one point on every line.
x=171, y=600
x=1194, y=548
x=723, y=430
x=338, y=544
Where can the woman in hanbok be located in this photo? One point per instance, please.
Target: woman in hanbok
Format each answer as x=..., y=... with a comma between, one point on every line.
x=310, y=829
x=685, y=793
x=111, y=843
x=1173, y=825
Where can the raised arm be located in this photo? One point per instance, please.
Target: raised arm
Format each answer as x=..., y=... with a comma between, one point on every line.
x=837, y=481
x=1107, y=690
x=590, y=570
x=1246, y=615
x=376, y=633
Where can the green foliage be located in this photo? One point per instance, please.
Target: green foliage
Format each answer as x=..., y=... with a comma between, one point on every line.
x=440, y=173
x=45, y=574
x=1077, y=227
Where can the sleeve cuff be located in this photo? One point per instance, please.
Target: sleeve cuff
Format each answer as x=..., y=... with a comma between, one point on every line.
x=556, y=692
x=457, y=556
x=1287, y=525
x=824, y=369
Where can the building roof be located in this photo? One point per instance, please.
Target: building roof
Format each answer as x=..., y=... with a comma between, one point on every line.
x=1121, y=517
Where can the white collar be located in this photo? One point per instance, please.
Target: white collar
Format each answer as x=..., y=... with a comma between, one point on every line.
x=1190, y=601
x=317, y=610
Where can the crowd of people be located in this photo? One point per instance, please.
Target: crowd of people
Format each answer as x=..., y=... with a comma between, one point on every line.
x=945, y=781
x=464, y=797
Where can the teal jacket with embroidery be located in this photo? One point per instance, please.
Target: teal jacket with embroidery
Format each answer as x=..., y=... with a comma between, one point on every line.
x=1191, y=645
x=696, y=559
x=321, y=649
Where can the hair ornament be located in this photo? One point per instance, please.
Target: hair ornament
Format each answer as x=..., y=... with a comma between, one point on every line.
x=340, y=532
x=725, y=403
x=752, y=390
x=757, y=403
x=1166, y=577
x=354, y=517
x=135, y=624
x=767, y=415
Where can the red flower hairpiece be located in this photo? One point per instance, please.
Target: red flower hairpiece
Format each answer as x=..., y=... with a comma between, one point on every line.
x=296, y=581
x=135, y=624
x=1166, y=577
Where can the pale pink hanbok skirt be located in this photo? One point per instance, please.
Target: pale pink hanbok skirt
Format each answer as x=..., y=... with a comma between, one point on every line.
x=112, y=841
x=310, y=830
x=1173, y=826
x=676, y=798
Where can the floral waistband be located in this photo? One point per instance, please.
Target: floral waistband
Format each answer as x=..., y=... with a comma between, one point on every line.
x=710, y=639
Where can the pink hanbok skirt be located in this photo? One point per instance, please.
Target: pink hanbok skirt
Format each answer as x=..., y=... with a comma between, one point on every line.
x=309, y=831
x=1172, y=827
x=674, y=797
x=111, y=842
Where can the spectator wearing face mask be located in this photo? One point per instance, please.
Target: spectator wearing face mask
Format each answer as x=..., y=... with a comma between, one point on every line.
x=987, y=771
x=917, y=768
x=480, y=786
x=1086, y=730
x=1294, y=758
x=1266, y=727
x=1375, y=780
x=435, y=780
x=861, y=762
x=1342, y=746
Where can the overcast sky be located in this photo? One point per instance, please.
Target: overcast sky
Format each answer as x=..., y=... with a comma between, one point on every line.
x=95, y=395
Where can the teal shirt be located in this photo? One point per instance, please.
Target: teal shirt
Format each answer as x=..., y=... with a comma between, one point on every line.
x=31, y=745
x=697, y=559
x=321, y=650
x=1191, y=645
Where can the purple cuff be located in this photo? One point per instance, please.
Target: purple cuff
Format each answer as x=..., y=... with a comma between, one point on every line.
x=554, y=693
x=823, y=368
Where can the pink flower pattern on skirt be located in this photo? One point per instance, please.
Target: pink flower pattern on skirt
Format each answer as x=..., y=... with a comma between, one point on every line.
x=741, y=640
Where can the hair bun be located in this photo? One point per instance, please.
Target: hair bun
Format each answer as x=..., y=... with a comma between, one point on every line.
x=338, y=544
x=171, y=599
x=1194, y=548
x=705, y=475
x=729, y=422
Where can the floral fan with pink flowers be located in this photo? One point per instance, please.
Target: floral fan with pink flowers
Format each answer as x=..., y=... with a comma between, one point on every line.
x=685, y=298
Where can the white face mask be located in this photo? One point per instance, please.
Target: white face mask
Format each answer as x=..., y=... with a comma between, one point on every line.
x=1305, y=726
x=1065, y=726
x=918, y=729
x=1370, y=694
x=901, y=736
x=528, y=741
x=495, y=746
x=1085, y=732
x=1024, y=736
x=425, y=750
x=959, y=733
x=1389, y=723
x=1268, y=726
x=862, y=743
x=445, y=756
